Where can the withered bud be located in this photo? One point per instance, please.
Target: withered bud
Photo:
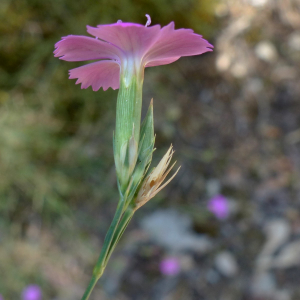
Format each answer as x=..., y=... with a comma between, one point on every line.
x=152, y=184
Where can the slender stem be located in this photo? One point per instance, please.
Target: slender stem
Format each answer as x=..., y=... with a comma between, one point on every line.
x=90, y=288
x=108, y=239
x=101, y=263
x=120, y=230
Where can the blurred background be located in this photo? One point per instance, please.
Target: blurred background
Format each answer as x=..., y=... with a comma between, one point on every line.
x=227, y=227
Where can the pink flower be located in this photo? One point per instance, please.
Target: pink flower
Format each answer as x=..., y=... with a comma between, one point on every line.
x=32, y=292
x=219, y=206
x=126, y=49
x=170, y=266
x=1, y=298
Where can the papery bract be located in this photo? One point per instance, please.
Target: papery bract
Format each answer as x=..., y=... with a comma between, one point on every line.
x=154, y=181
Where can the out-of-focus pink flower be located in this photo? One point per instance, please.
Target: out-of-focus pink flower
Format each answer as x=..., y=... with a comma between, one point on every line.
x=1, y=297
x=124, y=47
x=32, y=292
x=170, y=266
x=219, y=206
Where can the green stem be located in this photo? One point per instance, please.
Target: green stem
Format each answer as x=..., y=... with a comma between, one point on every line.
x=120, y=230
x=90, y=288
x=101, y=263
x=108, y=240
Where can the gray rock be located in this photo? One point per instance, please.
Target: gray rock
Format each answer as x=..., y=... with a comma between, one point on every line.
x=294, y=41
x=263, y=285
x=173, y=231
x=226, y=264
x=266, y=51
x=289, y=256
x=277, y=233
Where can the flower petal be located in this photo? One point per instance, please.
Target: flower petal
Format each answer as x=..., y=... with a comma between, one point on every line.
x=104, y=73
x=80, y=48
x=176, y=43
x=164, y=61
x=132, y=38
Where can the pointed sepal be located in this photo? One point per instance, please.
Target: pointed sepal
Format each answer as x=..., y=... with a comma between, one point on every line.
x=147, y=135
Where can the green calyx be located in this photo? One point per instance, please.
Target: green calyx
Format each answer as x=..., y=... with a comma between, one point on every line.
x=147, y=135
x=134, y=158
x=146, y=146
x=128, y=119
